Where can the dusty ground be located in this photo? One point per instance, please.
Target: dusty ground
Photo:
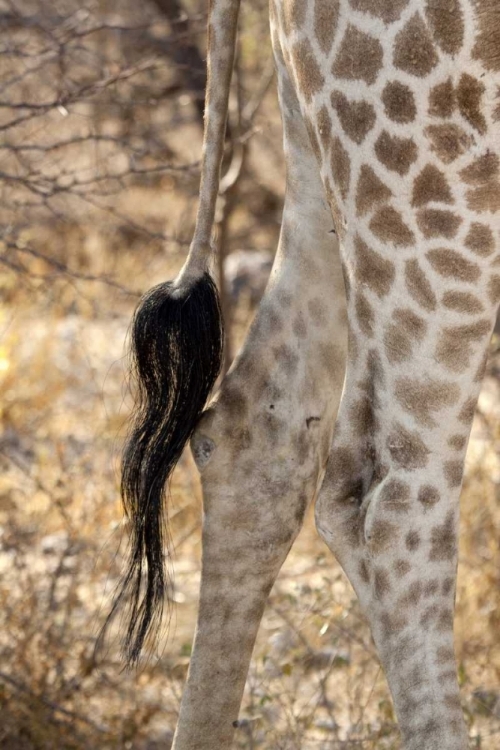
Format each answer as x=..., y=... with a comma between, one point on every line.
x=314, y=681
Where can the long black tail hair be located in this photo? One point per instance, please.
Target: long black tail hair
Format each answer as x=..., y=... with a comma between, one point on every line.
x=176, y=352
x=176, y=355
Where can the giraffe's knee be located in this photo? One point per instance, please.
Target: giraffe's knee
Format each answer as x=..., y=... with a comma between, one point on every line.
x=361, y=505
x=259, y=467
x=387, y=524
x=246, y=485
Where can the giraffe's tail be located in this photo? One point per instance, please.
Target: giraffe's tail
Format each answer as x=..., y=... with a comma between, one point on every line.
x=177, y=346
x=176, y=354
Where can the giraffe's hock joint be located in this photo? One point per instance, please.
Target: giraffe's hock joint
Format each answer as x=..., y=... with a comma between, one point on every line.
x=356, y=510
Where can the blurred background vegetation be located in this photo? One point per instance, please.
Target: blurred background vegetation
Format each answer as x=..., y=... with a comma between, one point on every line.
x=101, y=109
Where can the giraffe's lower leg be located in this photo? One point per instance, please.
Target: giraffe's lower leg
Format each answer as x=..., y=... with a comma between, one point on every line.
x=262, y=448
x=388, y=509
x=243, y=550
x=409, y=606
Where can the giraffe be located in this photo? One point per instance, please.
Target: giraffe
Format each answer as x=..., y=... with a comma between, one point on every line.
x=358, y=380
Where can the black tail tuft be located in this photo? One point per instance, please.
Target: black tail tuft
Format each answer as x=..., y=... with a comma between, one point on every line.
x=176, y=352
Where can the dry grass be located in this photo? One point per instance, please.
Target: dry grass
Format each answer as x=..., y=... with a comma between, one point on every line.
x=314, y=681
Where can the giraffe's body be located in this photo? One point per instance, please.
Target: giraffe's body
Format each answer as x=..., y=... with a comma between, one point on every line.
x=391, y=112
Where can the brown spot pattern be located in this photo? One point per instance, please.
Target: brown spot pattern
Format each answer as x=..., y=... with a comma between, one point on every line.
x=311, y=131
x=411, y=322
x=480, y=239
x=429, y=614
x=442, y=100
x=324, y=126
x=388, y=225
x=370, y=191
x=470, y=331
x=431, y=185
x=494, y=289
x=407, y=448
x=453, y=349
x=428, y=496
x=431, y=588
x=395, y=496
x=457, y=442
x=478, y=378
x=452, y=265
x=466, y=414
x=446, y=20
x=300, y=510
x=402, y=568
x=396, y=154
x=469, y=94
x=419, y=286
x=393, y=623
x=341, y=167
x=481, y=170
x=443, y=539
x=423, y=398
x=363, y=571
x=360, y=57
x=399, y=102
x=294, y=15
x=412, y=597
x=453, y=471
x=462, y=302
x=448, y=586
x=364, y=314
x=388, y=10
x=448, y=141
x=326, y=14
x=485, y=198
x=381, y=535
x=375, y=370
x=381, y=583
x=372, y=269
x=398, y=346
x=445, y=625
x=435, y=223
x=414, y=50
x=487, y=47
x=233, y=399
x=412, y=541
x=342, y=466
x=351, y=527
x=309, y=76
x=356, y=118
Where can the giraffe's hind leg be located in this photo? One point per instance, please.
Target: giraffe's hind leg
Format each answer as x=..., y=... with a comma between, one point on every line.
x=262, y=446
x=420, y=249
